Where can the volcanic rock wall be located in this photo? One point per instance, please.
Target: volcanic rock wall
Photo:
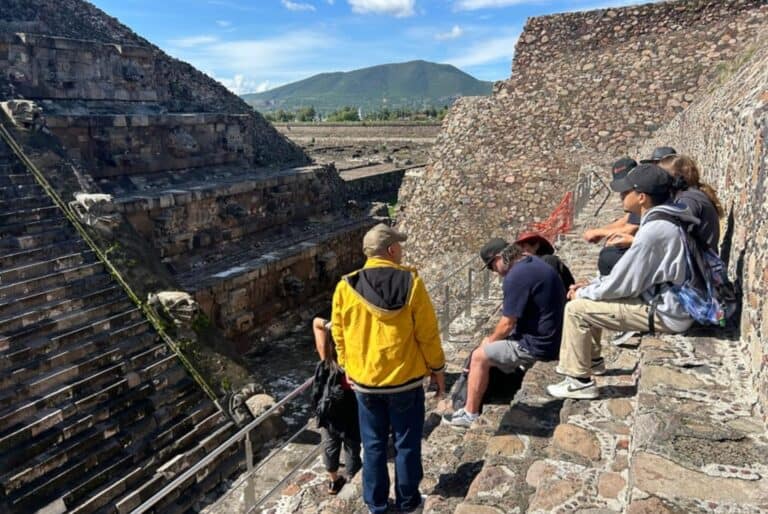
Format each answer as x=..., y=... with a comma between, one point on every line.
x=727, y=134
x=585, y=88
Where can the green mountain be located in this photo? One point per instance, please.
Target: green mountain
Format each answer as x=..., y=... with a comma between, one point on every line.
x=414, y=84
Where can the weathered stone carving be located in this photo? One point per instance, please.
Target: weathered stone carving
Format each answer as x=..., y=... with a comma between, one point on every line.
x=181, y=143
x=176, y=306
x=96, y=210
x=25, y=114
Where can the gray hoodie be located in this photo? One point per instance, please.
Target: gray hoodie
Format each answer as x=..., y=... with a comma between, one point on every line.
x=657, y=256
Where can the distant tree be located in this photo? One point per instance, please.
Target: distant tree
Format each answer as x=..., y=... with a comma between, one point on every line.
x=306, y=114
x=344, y=114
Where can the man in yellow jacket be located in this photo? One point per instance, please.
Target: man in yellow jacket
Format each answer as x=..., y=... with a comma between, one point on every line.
x=388, y=341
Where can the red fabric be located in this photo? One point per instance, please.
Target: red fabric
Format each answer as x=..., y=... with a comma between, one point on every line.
x=559, y=222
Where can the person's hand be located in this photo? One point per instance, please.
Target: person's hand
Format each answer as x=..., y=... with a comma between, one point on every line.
x=619, y=240
x=592, y=235
x=575, y=287
x=438, y=378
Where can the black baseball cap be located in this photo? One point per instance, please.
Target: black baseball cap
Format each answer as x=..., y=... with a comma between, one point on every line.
x=620, y=168
x=659, y=153
x=644, y=178
x=491, y=249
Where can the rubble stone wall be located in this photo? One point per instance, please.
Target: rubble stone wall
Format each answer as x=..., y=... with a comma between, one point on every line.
x=727, y=134
x=585, y=88
x=379, y=186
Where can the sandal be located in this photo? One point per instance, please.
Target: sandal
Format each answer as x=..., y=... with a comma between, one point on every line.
x=334, y=486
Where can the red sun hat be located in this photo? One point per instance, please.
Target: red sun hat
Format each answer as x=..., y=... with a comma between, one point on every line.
x=545, y=247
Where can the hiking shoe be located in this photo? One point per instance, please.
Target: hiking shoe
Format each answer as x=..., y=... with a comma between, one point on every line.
x=460, y=419
x=598, y=368
x=572, y=388
x=334, y=486
x=622, y=337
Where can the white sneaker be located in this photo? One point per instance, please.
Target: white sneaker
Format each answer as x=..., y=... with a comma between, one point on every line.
x=572, y=388
x=598, y=368
x=622, y=337
x=460, y=419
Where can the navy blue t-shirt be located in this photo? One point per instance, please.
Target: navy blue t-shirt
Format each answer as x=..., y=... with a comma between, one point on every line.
x=534, y=294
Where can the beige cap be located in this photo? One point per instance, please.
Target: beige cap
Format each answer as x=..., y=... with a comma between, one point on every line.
x=379, y=238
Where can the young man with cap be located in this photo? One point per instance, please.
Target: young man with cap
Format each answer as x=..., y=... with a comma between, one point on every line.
x=637, y=294
x=619, y=233
x=529, y=328
x=659, y=154
x=388, y=340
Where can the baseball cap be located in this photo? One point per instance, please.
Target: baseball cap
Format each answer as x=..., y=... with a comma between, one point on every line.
x=379, y=238
x=620, y=168
x=545, y=247
x=491, y=249
x=659, y=153
x=644, y=178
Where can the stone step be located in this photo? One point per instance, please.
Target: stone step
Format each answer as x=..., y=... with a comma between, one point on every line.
x=24, y=215
x=23, y=421
x=23, y=229
x=14, y=244
x=43, y=282
x=14, y=191
x=68, y=321
x=9, y=176
x=50, y=310
x=30, y=201
x=67, y=291
x=42, y=347
x=19, y=258
x=135, y=334
x=46, y=267
x=37, y=385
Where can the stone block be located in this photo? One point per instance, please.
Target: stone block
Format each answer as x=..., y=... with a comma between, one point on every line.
x=576, y=441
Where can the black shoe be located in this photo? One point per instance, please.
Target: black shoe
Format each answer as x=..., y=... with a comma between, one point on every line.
x=334, y=486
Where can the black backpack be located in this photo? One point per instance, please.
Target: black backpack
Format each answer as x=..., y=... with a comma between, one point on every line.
x=328, y=395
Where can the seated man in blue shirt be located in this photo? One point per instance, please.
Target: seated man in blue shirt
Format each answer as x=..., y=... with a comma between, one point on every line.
x=530, y=325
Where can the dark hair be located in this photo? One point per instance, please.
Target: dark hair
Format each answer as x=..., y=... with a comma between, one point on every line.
x=659, y=198
x=511, y=253
x=684, y=168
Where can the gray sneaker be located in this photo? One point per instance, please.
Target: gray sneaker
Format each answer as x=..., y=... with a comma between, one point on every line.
x=597, y=369
x=572, y=388
x=460, y=419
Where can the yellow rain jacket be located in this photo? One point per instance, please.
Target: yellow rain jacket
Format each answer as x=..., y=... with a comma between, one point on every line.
x=385, y=328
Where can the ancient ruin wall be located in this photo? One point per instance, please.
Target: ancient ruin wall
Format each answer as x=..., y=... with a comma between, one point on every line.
x=585, y=87
x=133, y=69
x=727, y=134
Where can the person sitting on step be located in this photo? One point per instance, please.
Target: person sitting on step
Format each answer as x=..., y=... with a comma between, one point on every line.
x=637, y=295
x=529, y=328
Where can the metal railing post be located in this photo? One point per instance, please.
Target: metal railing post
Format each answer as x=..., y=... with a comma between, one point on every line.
x=486, y=283
x=248, y=452
x=446, y=310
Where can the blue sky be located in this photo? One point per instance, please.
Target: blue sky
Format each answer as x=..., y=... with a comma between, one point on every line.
x=254, y=45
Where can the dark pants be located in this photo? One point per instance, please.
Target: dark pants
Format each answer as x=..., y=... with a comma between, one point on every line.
x=608, y=258
x=402, y=414
x=332, y=444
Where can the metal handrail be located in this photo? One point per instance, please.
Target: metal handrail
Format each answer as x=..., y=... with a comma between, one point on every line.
x=241, y=434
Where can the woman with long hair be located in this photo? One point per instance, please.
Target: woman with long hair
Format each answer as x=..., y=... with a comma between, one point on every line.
x=700, y=197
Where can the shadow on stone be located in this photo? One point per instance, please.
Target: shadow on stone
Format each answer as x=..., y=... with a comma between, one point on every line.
x=456, y=484
x=618, y=392
x=535, y=420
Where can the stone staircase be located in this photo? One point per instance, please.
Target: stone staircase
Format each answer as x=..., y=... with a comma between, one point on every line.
x=674, y=430
x=96, y=411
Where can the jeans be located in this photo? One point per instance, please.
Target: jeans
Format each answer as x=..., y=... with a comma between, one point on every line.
x=403, y=414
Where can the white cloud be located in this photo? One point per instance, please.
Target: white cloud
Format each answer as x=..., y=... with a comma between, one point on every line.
x=297, y=6
x=192, y=41
x=399, y=8
x=258, y=64
x=489, y=50
x=454, y=33
x=473, y=5
x=223, y=23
